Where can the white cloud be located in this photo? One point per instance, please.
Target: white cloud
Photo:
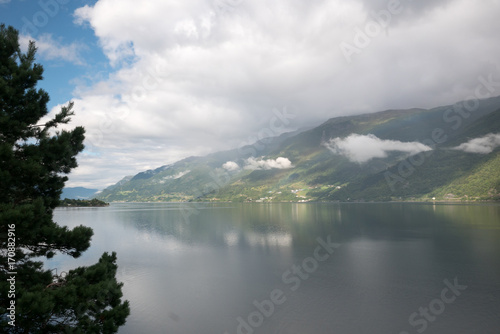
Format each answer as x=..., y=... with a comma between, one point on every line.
x=178, y=175
x=175, y=176
x=199, y=81
x=361, y=148
x=4, y=1
x=50, y=49
x=482, y=145
x=231, y=166
x=278, y=163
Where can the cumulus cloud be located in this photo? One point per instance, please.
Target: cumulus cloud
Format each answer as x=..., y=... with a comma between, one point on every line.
x=278, y=163
x=482, y=145
x=362, y=148
x=52, y=49
x=231, y=166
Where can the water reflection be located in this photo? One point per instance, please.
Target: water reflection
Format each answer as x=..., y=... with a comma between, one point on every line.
x=198, y=275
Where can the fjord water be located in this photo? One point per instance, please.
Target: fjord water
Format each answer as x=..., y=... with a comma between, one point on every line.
x=300, y=267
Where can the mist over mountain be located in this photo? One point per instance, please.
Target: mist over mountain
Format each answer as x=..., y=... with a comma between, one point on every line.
x=447, y=153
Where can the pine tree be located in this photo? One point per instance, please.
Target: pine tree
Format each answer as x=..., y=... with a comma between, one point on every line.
x=35, y=156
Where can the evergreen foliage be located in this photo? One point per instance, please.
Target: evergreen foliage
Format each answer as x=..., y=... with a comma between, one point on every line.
x=68, y=202
x=33, y=160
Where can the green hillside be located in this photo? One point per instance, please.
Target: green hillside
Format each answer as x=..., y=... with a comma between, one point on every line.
x=482, y=182
x=300, y=167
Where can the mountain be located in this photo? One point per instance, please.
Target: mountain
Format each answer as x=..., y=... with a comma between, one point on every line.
x=447, y=153
x=78, y=193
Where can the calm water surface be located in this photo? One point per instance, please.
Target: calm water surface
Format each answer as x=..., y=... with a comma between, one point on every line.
x=300, y=268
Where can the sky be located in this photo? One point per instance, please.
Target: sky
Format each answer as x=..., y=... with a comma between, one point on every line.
x=156, y=81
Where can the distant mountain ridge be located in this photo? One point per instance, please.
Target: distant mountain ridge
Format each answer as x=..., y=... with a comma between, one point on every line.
x=412, y=154
x=78, y=193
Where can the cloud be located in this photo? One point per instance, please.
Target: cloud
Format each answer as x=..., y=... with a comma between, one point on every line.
x=231, y=166
x=410, y=9
x=187, y=79
x=177, y=176
x=4, y=1
x=362, y=148
x=50, y=49
x=482, y=145
x=278, y=163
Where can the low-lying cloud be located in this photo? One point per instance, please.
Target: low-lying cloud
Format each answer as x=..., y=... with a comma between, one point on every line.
x=482, y=145
x=362, y=148
x=278, y=163
x=259, y=164
x=231, y=166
